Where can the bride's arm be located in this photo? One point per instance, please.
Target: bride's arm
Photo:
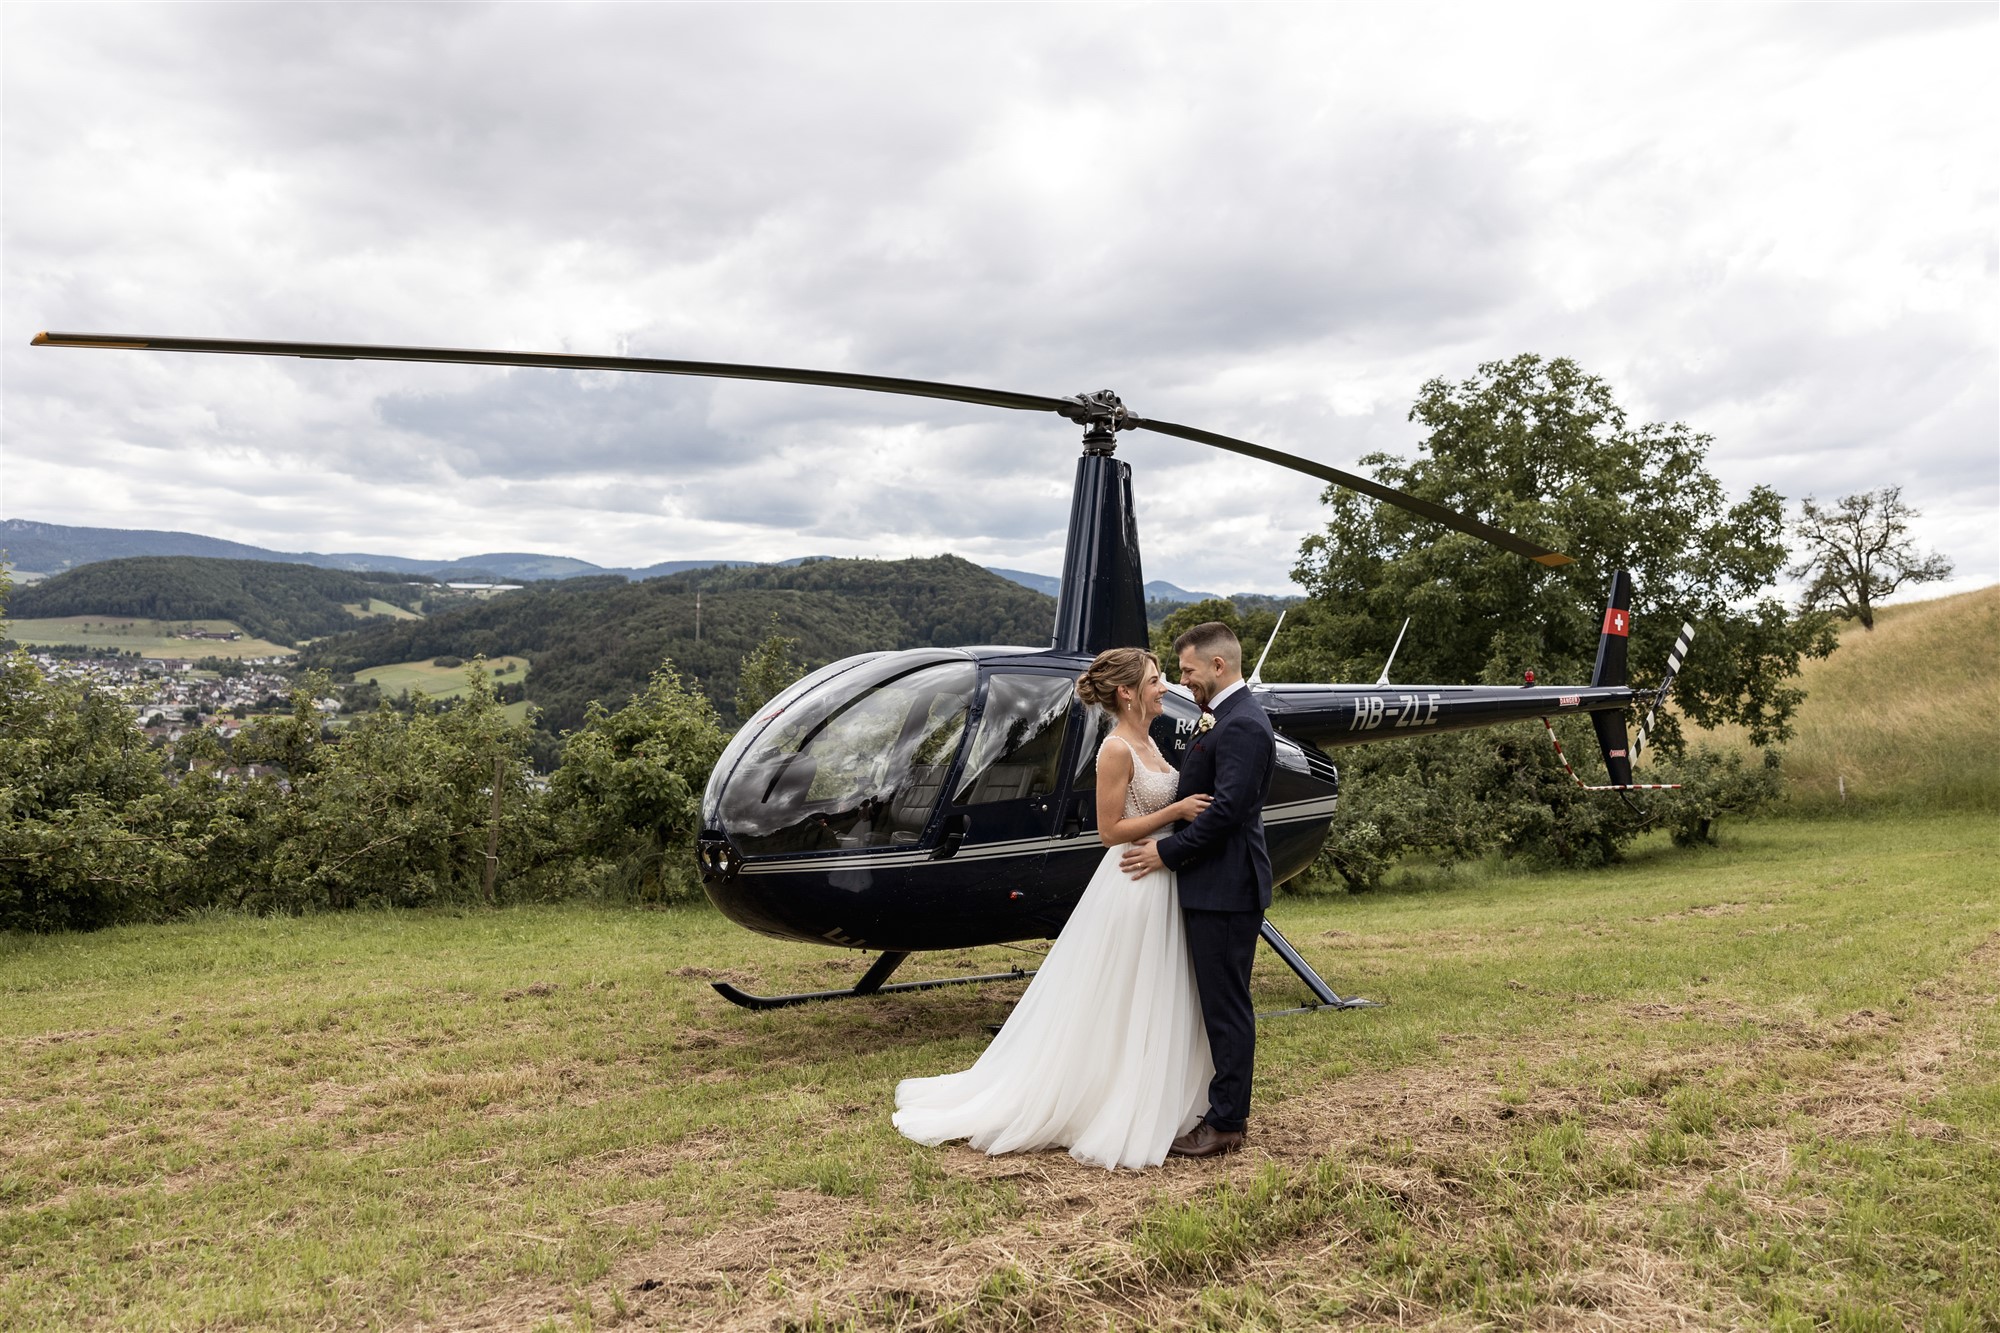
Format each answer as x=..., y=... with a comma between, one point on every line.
x=1114, y=779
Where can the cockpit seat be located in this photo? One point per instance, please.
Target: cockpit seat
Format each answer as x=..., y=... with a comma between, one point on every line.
x=1003, y=782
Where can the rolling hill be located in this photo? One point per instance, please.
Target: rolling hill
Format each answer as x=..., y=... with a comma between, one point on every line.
x=282, y=603
x=600, y=637
x=1904, y=717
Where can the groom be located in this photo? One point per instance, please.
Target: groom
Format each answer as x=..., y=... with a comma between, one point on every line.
x=1224, y=872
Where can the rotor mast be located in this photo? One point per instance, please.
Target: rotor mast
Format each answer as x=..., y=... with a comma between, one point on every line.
x=1102, y=601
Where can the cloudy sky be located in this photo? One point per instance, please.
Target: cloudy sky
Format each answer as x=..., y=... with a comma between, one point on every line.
x=1774, y=223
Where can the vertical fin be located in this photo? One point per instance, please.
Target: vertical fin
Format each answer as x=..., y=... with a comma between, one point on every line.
x=1612, y=640
x=1612, y=643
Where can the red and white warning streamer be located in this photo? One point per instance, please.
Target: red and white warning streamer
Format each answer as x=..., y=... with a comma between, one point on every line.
x=1569, y=769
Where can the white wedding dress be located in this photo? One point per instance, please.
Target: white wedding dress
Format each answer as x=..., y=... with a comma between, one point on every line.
x=1105, y=1054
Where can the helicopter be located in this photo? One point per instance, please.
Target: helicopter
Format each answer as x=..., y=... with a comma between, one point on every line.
x=944, y=798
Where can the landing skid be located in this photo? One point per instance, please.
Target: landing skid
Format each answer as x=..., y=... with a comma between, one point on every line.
x=1323, y=996
x=872, y=981
x=870, y=984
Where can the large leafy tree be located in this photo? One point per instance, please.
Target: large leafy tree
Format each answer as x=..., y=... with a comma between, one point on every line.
x=1542, y=448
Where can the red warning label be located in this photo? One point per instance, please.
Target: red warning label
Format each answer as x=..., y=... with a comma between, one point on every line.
x=1617, y=622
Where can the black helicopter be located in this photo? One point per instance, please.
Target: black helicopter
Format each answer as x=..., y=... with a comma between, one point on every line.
x=945, y=798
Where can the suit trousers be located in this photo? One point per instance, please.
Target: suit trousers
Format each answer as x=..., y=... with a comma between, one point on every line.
x=1222, y=945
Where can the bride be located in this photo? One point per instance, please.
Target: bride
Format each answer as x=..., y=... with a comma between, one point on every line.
x=1105, y=1054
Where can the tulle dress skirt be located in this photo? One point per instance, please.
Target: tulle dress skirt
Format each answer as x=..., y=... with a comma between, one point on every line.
x=1104, y=1055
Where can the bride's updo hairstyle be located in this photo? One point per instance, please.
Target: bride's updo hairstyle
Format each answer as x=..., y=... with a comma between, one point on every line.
x=1114, y=667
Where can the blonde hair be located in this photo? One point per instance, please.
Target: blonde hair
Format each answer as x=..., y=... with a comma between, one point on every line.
x=1114, y=667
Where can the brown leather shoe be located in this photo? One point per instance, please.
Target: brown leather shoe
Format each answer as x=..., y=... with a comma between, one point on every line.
x=1205, y=1140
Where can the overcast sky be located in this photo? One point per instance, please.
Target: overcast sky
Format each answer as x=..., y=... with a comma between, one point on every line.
x=1774, y=223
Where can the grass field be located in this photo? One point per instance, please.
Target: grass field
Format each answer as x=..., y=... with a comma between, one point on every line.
x=1906, y=716
x=447, y=682
x=375, y=607
x=148, y=638
x=1755, y=1086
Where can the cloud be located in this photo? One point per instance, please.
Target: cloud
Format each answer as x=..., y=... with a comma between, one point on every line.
x=1775, y=223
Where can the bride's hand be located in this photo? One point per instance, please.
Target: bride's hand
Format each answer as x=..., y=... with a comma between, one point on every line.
x=1189, y=806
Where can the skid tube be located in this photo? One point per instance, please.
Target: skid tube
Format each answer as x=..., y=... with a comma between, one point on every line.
x=870, y=984
x=1323, y=996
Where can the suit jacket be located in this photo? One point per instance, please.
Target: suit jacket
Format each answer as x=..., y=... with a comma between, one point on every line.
x=1220, y=857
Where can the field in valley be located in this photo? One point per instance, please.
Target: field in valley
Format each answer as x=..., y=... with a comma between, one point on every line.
x=148, y=638
x=446, y=682
x=1749, y=1086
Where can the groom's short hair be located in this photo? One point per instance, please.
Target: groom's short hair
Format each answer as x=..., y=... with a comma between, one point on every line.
x=1212, y=639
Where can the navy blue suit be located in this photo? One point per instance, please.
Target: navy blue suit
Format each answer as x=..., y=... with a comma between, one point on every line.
x=1224, y=874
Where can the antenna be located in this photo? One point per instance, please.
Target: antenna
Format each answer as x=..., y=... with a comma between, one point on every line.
x=1383, y=679
x=1257, y=676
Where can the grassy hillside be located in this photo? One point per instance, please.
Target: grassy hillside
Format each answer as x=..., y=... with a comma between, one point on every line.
x=1751, y=1087
x=280, y=602
x=599, y=638
x=148, y=638
x=1905, y=716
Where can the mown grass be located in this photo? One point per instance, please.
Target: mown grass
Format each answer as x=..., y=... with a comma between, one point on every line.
x=1903, y=717
x=148, y=638
x=1757, y=1085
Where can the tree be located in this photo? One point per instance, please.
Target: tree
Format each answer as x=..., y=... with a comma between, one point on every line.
x=1541, y=448
x=767, y=669
x=1858, y=551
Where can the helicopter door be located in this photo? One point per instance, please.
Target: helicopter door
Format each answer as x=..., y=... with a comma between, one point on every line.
x=1007, y=791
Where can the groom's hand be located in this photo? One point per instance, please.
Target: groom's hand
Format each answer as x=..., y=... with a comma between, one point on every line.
x=1141, y=859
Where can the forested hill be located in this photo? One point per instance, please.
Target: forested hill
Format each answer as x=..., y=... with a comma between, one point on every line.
x=600, y=637
x=280, y=602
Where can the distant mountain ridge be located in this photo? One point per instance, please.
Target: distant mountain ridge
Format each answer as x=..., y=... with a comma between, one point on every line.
x=52, y=548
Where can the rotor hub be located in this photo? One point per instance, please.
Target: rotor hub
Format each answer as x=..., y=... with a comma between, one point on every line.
x=1102, y=416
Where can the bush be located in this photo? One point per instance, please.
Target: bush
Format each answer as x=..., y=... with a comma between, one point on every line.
x=628, y=793
x=83, y=827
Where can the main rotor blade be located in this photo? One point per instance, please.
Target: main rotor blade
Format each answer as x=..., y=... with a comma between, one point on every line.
x=832, y=379
x=1437, y=513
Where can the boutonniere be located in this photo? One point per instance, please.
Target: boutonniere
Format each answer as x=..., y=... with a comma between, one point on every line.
x=1207, y=721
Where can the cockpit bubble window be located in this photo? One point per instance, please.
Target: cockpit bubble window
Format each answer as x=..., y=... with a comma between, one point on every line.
x=861, y=762
x=1018, y=751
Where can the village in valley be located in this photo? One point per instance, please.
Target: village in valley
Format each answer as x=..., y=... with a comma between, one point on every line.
x=172, y=696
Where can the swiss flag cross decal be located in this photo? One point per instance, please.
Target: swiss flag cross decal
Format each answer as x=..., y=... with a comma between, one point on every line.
x=1617, y=622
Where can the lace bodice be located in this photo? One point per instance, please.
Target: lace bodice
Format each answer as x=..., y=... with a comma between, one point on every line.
x=1149, y=791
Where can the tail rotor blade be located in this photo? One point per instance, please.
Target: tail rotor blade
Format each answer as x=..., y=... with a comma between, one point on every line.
x=1674, y=660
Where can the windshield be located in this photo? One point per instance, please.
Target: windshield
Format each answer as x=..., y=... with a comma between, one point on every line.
x=859, y=762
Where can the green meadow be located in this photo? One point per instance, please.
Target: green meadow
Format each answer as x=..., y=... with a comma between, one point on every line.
x=1748, y=1086
x=446, y=682
x=148, y=638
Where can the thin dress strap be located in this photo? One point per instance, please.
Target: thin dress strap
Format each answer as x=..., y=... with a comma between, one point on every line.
x=1137, y=763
